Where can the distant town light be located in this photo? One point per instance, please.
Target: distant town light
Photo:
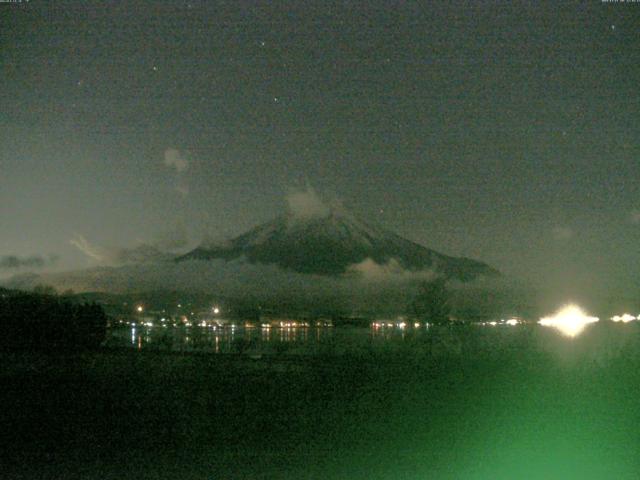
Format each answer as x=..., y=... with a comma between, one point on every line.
x=139, y=308
x=570, y=320
x=216, y=310
x=624, y=318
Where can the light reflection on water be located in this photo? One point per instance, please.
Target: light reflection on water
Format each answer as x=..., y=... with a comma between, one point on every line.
x=313, y=340
x=258, y=340
x=218, y=340
x=300, y=340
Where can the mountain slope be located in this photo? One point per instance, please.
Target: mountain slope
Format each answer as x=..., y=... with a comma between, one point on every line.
x=331, y=244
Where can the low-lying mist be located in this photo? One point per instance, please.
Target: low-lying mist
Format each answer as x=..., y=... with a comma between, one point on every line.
x=367, y=289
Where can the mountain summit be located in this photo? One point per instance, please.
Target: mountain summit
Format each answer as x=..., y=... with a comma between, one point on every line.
x=330, y=242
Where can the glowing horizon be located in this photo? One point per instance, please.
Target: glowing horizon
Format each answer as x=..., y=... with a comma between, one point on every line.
x=571, y=320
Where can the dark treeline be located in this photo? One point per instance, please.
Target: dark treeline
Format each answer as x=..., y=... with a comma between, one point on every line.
x=36, y=321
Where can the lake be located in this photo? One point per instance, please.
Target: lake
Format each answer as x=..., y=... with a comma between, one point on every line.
x=598, y=342
x=469, y=402
x=311, y=340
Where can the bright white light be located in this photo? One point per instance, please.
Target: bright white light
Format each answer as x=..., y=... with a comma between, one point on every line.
x=216, y=310
x=512, y=322
x=624, y=318
x=493, y=324
x=402, y=324
x=570, y=320
x=139, y=308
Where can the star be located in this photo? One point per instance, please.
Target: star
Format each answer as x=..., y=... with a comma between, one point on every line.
x=276, y=99
x=613, y=27
x=155, y=68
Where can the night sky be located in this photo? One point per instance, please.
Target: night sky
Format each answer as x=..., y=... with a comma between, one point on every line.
x=503, y=131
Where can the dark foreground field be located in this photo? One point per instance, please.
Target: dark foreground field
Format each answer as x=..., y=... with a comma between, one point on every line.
x=523, y=404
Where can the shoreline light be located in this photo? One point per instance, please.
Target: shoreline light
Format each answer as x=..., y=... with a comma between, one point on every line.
x=624, y=318
x=570, y=320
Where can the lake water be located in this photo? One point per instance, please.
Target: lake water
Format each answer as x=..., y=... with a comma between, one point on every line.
x=294, y=340
x=468, y=402
x=597, y=342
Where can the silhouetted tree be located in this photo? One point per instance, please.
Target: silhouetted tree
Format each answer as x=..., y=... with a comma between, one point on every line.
x=431, y=304
x=44, y=290
x=31, y=321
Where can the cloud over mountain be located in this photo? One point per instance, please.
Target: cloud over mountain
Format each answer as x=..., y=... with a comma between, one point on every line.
x=14, y=262
x=304, y=204
x=317, y=238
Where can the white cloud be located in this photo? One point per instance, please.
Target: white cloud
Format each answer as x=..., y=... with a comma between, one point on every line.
x=143, y=253
x=306, y=204
x=175, y=159
x=183, y=189
x=178, y=161
x=562, y=233
x=92, y=251
x=170, y=240
x=369, y=270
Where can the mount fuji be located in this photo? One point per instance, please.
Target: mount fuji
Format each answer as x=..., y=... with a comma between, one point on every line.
x=312, y=250
x=331, y=241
